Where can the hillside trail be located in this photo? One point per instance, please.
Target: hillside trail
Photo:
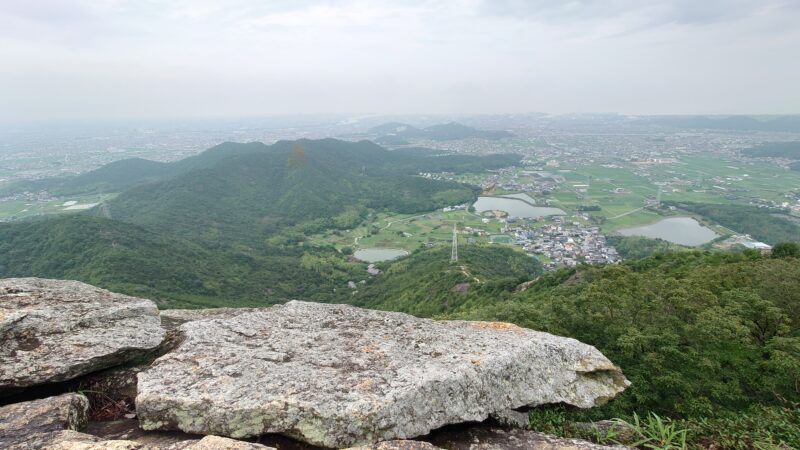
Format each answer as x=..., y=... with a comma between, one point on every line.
x=466, y=273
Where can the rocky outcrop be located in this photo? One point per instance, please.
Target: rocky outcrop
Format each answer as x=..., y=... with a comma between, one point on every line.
x=398, y=445
x=19, y=421
x=52, y=330
x=510, y=418
x=338, y=376
x=71, y=440
x=482, y=438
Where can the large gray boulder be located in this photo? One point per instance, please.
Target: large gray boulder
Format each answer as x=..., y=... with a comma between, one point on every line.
x=73, y=440
x=53, y=330
x=20, y=421
x=339, y=376
x=87, y=442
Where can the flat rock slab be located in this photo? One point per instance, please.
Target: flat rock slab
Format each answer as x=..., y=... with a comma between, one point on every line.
x=53, y=330
x=128, y=430
x=340, y=376
x=20, y=421
x=71, y=440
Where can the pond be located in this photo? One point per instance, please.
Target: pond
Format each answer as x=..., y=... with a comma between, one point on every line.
x=678, y=230
x=379, y=254
x=515, y=207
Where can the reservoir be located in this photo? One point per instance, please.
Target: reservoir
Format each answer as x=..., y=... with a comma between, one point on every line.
x=515, y=207
x=379, y=254
x=678, y=230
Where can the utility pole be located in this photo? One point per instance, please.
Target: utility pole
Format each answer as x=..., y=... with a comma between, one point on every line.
x=454, y=252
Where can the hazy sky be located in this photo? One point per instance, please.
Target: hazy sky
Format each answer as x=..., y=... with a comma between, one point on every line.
x=79, y=59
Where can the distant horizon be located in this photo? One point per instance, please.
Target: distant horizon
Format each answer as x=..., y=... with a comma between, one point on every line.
x=390, y=117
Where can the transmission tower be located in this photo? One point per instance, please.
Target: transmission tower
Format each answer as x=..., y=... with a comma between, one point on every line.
x=454, y=253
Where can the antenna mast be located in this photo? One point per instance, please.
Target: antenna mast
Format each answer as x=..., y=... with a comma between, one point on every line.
x=454, y=253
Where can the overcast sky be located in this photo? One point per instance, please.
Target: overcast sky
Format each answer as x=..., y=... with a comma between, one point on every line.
x=86, y=59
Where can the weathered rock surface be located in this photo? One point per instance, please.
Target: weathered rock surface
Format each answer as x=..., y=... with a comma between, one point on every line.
x=481, y=438
x=398, y=445
x=53, y=330
x=510, y=418
x=339, y=376
x=180, y=316
x=128, y=430
x=71, y=440
x=18, y=421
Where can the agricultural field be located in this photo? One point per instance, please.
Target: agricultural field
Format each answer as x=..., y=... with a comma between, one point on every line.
x=410, y=232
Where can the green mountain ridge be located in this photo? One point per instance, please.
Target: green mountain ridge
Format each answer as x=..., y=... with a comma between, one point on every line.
x=231, y=223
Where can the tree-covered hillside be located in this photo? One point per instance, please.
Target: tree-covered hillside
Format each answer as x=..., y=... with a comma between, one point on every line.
x=253, y=195
x=173, y=271
x=710, y=338
x=427, y=282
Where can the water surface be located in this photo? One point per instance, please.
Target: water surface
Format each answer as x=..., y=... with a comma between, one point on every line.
x=378, y=254
x=679, y=230
x=515, y=207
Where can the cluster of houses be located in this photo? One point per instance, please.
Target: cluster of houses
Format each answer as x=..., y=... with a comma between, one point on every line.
x=566, y=245
x=40, y=196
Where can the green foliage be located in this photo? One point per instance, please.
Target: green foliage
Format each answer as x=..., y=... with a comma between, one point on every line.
x=427, y=283
x=247, y=196
x=757, y=427
x=761, y=223
x=657, y=433
x=173, y=271
x=637, y=247
x=786, y=250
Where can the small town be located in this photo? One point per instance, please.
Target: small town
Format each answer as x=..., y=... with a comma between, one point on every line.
x=565, y=245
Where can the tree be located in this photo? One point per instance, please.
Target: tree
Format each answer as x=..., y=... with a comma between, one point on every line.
x=786, y=250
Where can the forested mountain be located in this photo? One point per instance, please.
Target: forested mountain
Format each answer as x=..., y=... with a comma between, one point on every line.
x=173, y=271
x=255, y=194
x=229, y=225
x=127, y=173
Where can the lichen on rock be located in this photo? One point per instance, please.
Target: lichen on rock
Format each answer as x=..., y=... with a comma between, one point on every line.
x=54, y=330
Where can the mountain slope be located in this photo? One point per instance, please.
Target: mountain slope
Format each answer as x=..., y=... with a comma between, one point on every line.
x=427, y=283
x=124, y=174
x=258, y=193
x=176, y=272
